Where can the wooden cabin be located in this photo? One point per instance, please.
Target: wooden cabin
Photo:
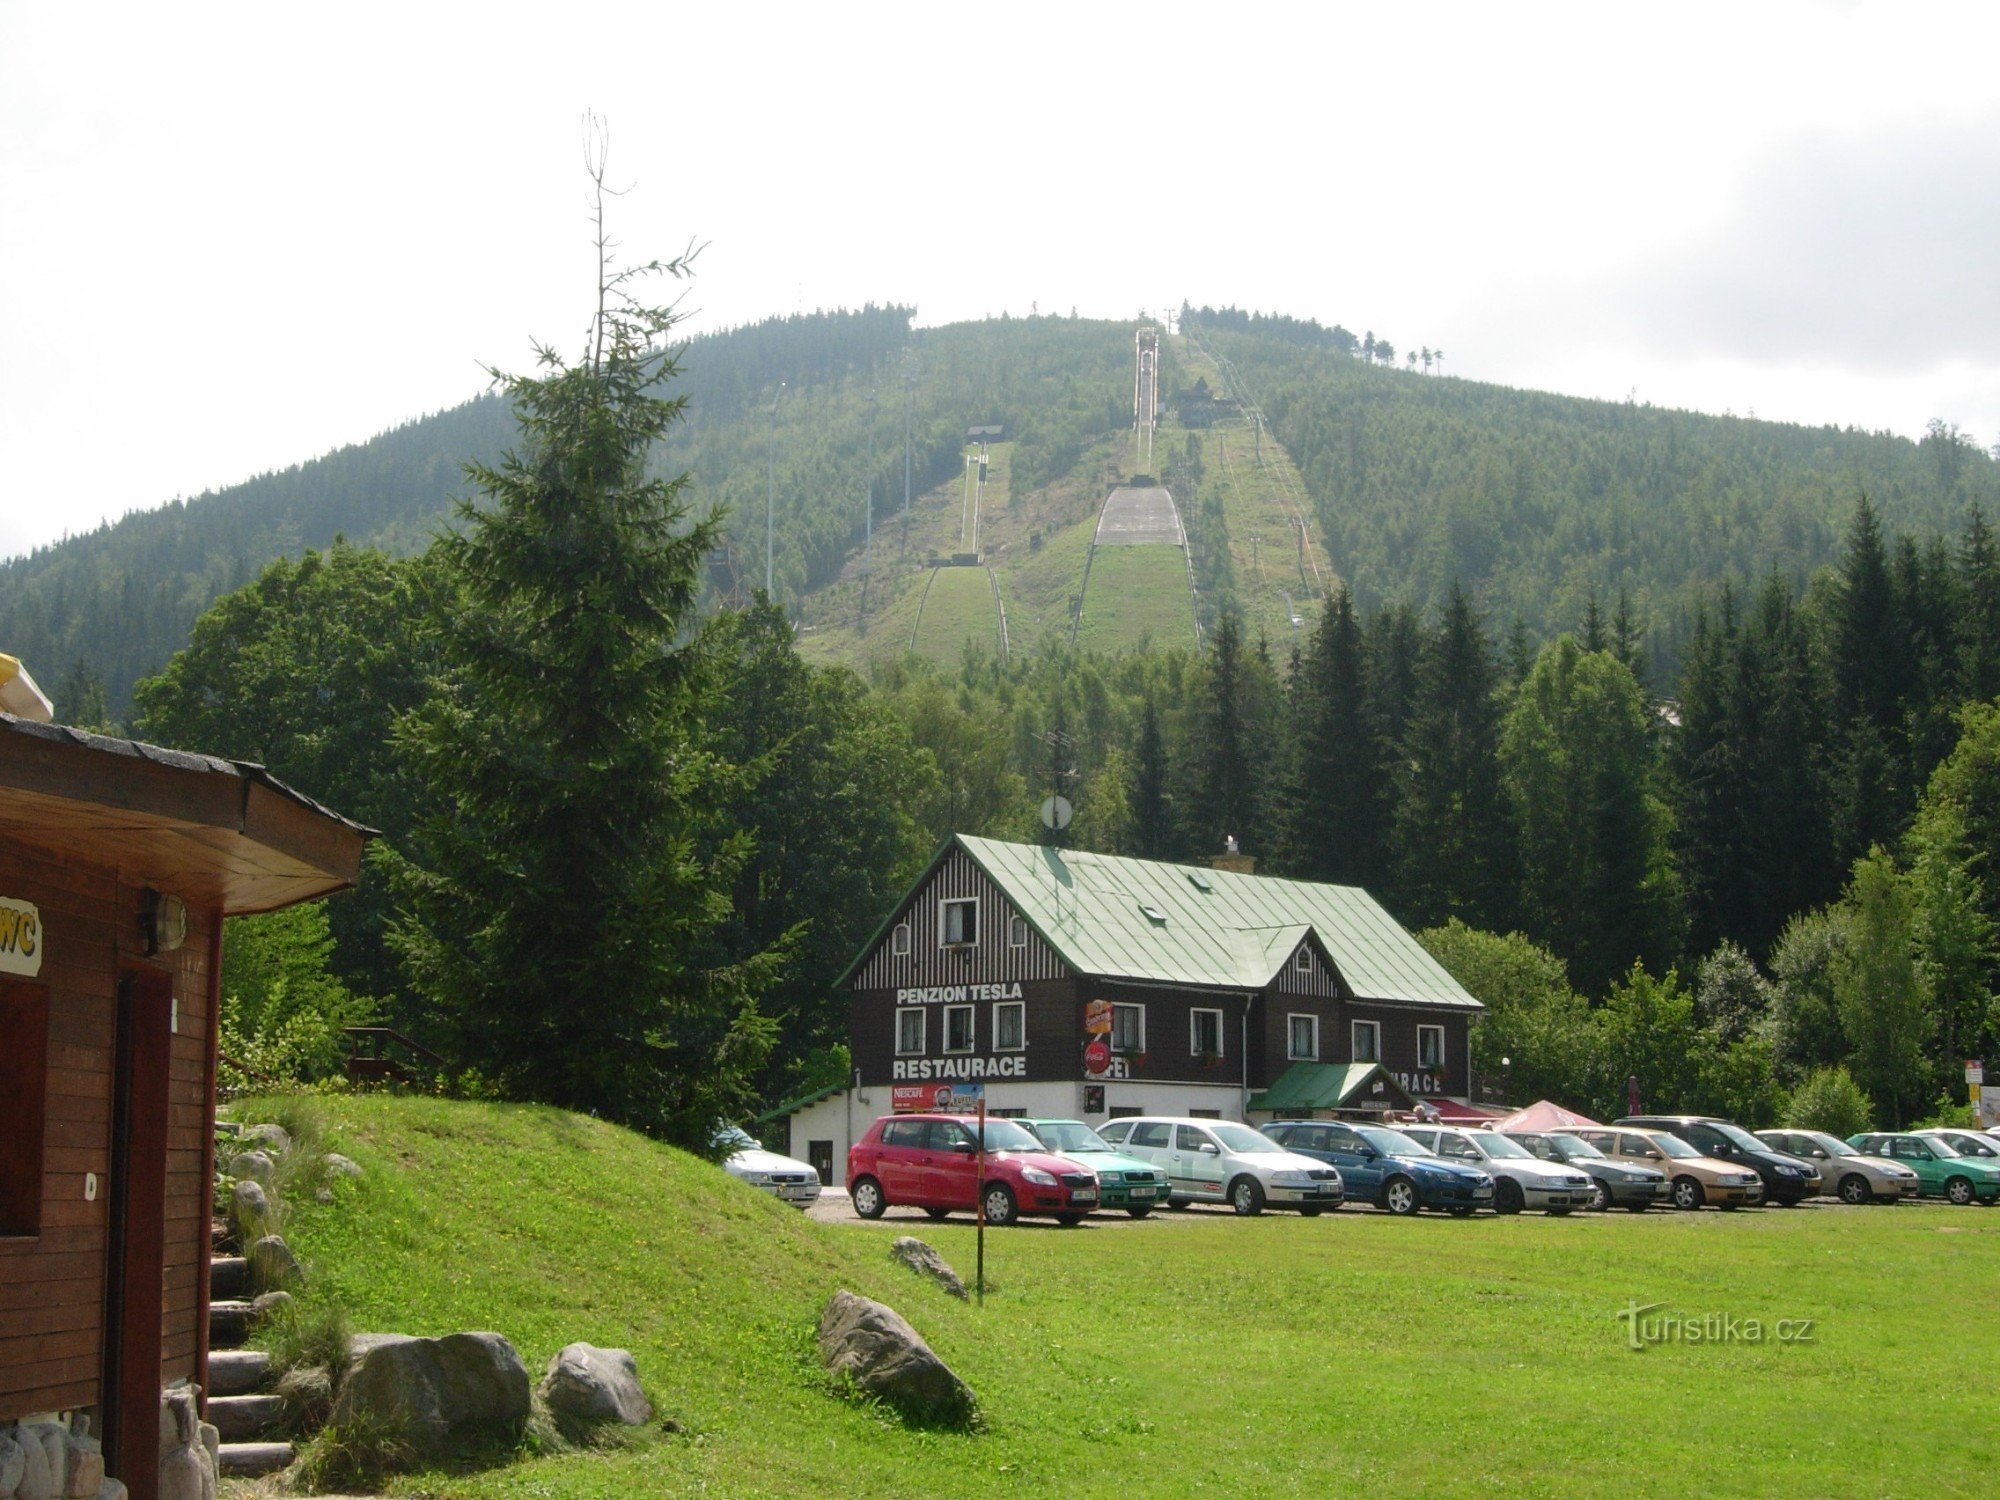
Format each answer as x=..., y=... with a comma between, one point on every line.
x=118, y=862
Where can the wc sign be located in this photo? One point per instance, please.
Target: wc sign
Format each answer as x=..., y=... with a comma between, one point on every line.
x=20, y=939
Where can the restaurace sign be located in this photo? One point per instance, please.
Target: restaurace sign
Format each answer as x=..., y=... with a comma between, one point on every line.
x=918, y=1069
x=20, y=938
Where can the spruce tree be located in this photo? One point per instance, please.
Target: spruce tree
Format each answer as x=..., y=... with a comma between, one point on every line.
x=567, y=874
x=1336, y=824
x=1152, y=810
x=1222, y=800
x=1979, y=620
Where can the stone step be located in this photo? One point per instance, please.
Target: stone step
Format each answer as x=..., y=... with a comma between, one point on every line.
x=247, y=1460
x=237, y=1372
x=243, y=1419
x=228, y=1276
x=229, y=1324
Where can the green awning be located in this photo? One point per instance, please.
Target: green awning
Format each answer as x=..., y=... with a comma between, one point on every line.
x=1314, y=1086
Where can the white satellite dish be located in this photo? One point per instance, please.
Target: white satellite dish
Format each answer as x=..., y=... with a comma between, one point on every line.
x=1056, y=813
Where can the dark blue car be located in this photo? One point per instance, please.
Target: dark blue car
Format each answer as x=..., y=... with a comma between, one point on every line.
x=1385, y=1167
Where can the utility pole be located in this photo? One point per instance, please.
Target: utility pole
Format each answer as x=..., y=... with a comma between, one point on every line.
x=868, y=552
x=909, y=417
x=771, y=490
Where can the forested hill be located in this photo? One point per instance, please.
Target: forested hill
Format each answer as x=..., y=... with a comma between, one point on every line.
x=1536, y=501
x=1411, y=479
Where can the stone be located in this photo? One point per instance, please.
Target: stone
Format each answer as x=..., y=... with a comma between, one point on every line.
x=249, y=1207
x=307, y=1394
x=250, y=1166
x=55, y=1451
x=274, y=1139
x=427, y=1390
x=272, y=1264
x=187, y=1458
x=876, y=1348
x=587, y=1384
x=13, y=1464
x=339, y=1166
x=268, y=1305
x=86, y=1474
x=112, y=1489
x=925, y=1261
x=35, y=1483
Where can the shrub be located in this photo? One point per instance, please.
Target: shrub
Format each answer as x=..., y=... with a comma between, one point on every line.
x=1830, y=1100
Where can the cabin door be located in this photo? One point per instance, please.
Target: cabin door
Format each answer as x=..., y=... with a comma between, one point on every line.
x=136, y=1265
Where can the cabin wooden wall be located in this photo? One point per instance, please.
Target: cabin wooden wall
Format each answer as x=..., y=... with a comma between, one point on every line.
x=52, y=1285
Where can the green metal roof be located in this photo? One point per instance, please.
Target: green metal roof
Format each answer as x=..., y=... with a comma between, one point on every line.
x=1116, y=918
x=792, y=1106
x=1308, y=1085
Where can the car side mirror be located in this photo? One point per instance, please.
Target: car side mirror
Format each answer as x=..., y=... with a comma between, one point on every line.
x=1822, y=1156
x=963, y=1147
x=1656, y=1156
x=1366, y=1153
x=1208, y=1149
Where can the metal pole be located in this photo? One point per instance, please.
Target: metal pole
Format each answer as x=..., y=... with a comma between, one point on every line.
x=909, y=416
x=868, y=553
x=771, y=490
x=979, y=1176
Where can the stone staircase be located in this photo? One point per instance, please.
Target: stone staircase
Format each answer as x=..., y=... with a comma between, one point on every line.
x=247, y=1416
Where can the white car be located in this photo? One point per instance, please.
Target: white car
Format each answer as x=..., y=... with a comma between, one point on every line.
x=781, y=1176
x=1220, y=1161
x=1844, y=1172
x=1521, y=1179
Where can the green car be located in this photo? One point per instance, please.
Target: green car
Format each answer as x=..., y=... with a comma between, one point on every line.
x=1942, y=1172
x=1122, y=1181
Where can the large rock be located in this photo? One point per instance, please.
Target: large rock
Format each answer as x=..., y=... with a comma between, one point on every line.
x=187, y=1456
x=274, y=1139
x=272, y=1264
x=53, y=1440
x=35, y=1483
x=432, y=1390
x=586, y=1384
x=250, y=1166
x=85, y=1458
x=879, y=1351
x=13, y=1463
x=249, y=1208
x=925, y=1261
x=339, y=1166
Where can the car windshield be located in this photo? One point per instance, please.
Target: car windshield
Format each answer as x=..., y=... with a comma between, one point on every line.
x=1391, y=1142
x=1832, y=1145
x=1940, y=1145
x=1740, y=1138
x=1242, y=1139
x=1569, y=1145
x=1971, y=1145
x=1499, y=1146
x=1070, y=1136
x=1005, y=1135
x=1674, y=1146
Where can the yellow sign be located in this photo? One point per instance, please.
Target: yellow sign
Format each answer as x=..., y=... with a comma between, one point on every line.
x=20, y=938
x=1097, y=1017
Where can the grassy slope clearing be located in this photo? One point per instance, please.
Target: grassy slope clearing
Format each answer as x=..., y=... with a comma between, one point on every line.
x=1195, y=1354
x=1136, y=595
x=958, y=610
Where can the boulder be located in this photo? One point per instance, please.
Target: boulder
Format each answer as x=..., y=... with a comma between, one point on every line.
x=86, y=1474
x=925, y=1261
x=874, y=1347
x=35, y=1483
x=53, y=1438
x=586, y=1384
x=272, y=1264
x=250, y=1166
x=339, y=1166
x=13, y=1463
x=249, y=1208
x=274, y=1139
x=430, y=1390
x=187, y=1460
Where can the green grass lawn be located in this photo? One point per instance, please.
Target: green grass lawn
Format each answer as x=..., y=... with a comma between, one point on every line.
x=1193, y=1355
x=1136, y=594
x=958, y=609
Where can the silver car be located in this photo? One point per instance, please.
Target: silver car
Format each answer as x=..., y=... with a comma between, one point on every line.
x=1521, y=1179
x=1851, y=1176
x=1220, y=1161
x=781, y=1176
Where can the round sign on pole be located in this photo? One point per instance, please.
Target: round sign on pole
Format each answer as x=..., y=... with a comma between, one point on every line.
x=1056, y=813
x=1097, y=1056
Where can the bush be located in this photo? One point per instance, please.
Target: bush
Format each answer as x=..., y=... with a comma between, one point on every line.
x=1830, y=1100
x=1948, y=1113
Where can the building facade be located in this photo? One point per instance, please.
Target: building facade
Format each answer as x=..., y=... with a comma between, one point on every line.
x=1094, y=986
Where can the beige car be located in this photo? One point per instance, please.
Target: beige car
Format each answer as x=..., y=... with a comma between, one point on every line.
x=1843, y=1171
x=1696, y=1179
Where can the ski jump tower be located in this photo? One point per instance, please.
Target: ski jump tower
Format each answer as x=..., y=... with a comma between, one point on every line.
x=1146, y=394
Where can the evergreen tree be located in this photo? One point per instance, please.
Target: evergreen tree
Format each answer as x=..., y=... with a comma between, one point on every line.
x=1337, y=818
x=1451, y=837
x=1871, y=670
x=568, y=872
x=80, y=701
x=1222, y=797
x=1152, y=810
x=1627, y=636
x=1979, y=618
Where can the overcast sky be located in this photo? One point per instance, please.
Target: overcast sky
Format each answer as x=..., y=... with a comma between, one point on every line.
x=232, y=238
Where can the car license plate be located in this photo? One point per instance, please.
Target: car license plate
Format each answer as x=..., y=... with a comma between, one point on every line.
x=1136, y=1193
x=1324, y=1190
x=1084, y=1195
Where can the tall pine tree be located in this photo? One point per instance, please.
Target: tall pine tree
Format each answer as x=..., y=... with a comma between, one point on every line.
x=1337, y=804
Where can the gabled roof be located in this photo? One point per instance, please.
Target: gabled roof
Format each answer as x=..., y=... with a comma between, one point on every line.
x=1309, y=1085
x=1144, y=920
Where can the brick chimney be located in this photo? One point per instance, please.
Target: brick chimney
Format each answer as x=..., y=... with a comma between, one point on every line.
x=1233, y=859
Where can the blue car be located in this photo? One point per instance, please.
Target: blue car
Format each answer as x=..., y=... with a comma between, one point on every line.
x=1385, y=1167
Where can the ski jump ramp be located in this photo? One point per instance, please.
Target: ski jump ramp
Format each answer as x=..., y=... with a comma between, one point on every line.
x=1135, y=517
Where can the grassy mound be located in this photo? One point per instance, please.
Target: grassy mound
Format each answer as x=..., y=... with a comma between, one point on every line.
x=1192, y=1354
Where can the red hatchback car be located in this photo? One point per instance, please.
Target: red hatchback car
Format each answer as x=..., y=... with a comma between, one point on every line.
x=931, y=1162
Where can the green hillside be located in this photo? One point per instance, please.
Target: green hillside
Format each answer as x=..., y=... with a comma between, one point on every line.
x=1136, y=596
x=958, y=611
x=550, y=1227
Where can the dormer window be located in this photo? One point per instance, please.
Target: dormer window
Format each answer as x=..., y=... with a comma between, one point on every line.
x=1304, y=962
x=958, y=923
x=899, y=940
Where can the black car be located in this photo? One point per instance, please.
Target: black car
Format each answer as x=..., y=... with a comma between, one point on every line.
x=1620, y=1184
x=1788, y=1179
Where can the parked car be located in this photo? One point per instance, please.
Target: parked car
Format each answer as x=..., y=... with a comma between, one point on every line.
x=931, y=1162
x=1788, y=1179
x=1844, y=1172
x=1220, y=1161
x=1695, y=1179
x=1122, y=1181
x=1631, y=1185
x=1520, y=1178
x=1975, y=1144
x=1385, y=1167
x=781, y=1176
x=1942, y=1171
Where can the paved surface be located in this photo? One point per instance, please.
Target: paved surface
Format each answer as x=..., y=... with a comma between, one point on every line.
x=1133, y=518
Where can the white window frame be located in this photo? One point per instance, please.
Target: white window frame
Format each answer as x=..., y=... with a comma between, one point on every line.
x=1304, y=962
x=1354, y=1040
x=1195, y=1047
x=1017, y=931
x=944, y=921
x=971, y=1014
x=1128, y=1005
x=923, y=1030
x=1436, y=1066
x=899, y=940
x=1020, y=1008
x=1292, y=1054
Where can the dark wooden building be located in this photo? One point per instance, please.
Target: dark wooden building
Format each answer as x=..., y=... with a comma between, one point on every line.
x=118, y=862
x=1093, y=986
